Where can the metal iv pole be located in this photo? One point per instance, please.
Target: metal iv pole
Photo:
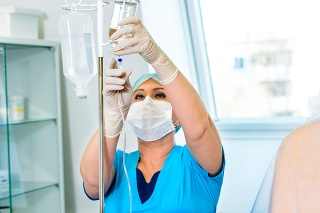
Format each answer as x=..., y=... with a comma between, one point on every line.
x=101, y=107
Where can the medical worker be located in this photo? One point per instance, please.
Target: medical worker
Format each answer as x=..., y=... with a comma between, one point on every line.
x=163, y=177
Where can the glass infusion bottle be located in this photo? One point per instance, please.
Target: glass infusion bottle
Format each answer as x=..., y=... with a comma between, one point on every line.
x=121, y=10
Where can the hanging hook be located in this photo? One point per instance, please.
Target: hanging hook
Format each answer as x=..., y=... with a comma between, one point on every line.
x=73, y=7
x=73, y=3
x=82, y=7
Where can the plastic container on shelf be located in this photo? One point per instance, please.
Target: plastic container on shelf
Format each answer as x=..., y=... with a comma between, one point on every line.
x=19, y=22
x=16, y=108
x=78, y=50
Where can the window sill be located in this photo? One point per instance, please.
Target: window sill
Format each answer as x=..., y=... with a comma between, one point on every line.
x=263, y=124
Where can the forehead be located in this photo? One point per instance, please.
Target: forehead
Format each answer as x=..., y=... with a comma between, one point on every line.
x=150, y=83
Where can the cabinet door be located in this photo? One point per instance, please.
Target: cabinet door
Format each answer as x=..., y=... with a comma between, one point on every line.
x=33, y=148
x=4, y=157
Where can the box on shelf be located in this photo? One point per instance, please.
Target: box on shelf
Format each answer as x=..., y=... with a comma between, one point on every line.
x=19, y=22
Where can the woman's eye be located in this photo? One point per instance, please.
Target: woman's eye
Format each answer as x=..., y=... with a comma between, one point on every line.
x=139, y=97
x=160, y=95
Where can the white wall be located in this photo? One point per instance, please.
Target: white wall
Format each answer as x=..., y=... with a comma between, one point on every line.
x=80, y=117
x=247, y=157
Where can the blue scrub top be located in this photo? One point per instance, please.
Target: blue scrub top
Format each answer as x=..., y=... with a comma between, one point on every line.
x=182, y=186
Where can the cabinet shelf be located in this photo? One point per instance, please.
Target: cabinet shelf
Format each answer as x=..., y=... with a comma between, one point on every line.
x=29, y=121
x=31, y=150
x=23, y=188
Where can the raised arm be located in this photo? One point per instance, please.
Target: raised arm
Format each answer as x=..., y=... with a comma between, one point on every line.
x=201, y=135
x=118, y=96
x=89, y=166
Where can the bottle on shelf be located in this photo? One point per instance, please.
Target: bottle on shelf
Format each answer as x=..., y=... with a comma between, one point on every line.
x=16, y=108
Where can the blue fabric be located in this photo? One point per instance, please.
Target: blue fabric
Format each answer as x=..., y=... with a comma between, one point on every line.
x=182, y=186
x=145, y=189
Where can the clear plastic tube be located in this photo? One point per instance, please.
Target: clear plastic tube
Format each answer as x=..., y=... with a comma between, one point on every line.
x=124, y=165
x=125, y=142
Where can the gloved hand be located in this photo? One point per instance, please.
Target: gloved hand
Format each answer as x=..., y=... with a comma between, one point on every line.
x=141, y=42
x=117, y=92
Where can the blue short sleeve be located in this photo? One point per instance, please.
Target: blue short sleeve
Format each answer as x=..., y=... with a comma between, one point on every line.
x=215, y=180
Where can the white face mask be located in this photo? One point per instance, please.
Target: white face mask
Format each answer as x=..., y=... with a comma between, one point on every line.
x=151, y=119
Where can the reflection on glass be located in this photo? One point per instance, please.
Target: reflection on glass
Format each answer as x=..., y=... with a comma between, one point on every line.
x=21, y=188
x=3, y=112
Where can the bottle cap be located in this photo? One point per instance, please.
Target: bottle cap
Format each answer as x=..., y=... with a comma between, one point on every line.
x=16, y=98
x=82, y=92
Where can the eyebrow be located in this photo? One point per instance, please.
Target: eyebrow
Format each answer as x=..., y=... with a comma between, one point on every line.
x=154, y=89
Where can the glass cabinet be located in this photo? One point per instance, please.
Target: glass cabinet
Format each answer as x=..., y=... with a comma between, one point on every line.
x=31, y=171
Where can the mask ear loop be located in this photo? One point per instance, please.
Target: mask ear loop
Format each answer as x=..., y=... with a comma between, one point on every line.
x=176, y=124
x=124, y=143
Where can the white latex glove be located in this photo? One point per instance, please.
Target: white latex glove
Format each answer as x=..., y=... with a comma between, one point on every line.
x=141, y=42
x=117, y=92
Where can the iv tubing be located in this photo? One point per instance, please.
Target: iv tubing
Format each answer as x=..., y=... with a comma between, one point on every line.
x=124, y=166
x=124, y=143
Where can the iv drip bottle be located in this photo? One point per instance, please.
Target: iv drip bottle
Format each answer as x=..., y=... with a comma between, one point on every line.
x=121, y=10
x=78, y=50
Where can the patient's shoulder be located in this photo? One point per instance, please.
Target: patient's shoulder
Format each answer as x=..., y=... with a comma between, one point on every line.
x=307, y=131
x=303, y=137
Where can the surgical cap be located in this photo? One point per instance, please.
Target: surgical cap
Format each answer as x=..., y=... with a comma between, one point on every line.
x=144, y=78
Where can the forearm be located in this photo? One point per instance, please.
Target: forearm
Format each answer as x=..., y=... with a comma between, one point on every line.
x=200, y=132
x=188, y=107
x=89, y=166
x=181, y=93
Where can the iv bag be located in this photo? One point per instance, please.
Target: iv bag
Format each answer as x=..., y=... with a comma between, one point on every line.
x=121, y=10
x=78, y=50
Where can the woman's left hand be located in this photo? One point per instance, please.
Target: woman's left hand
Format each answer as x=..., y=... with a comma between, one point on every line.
x=139, y=40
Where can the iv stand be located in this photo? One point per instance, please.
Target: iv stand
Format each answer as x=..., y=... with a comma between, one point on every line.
x=98, y=7
x=101, y=44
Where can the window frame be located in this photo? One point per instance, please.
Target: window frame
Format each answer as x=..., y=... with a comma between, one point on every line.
x=206, y=88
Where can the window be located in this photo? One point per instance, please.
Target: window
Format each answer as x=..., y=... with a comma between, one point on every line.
x=258, y=58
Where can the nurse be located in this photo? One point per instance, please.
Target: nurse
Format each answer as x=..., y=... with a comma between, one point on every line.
x=164, y=177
